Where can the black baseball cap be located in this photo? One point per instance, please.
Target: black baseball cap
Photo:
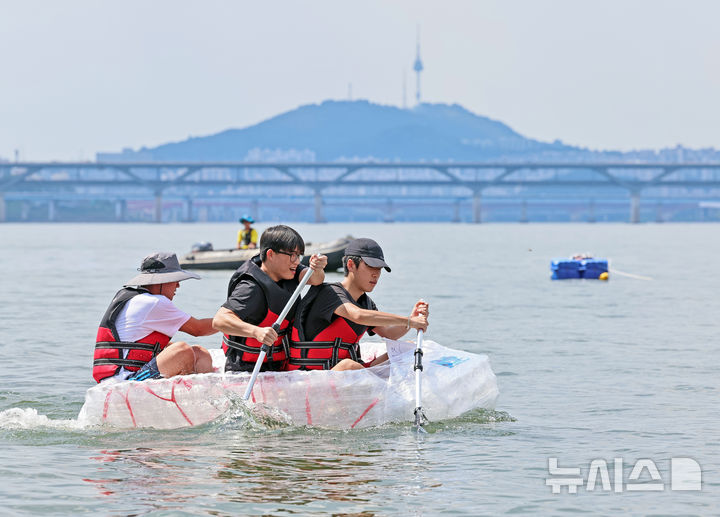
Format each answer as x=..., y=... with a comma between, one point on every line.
x=369, y=251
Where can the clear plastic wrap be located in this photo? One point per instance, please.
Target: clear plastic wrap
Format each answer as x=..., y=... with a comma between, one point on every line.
x=453, y=382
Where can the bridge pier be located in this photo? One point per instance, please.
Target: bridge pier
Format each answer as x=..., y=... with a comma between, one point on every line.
x=389, y=217
x=319, y=217
x=456, y=211
x=634, y=207
x=254, y=210
x=188, y=216
x=523, y=211
x=3, y=208
x=591, y=211
x=477, y=207
x=120, y=210
x=158, y=206
x=24, y=211
x=51, y=210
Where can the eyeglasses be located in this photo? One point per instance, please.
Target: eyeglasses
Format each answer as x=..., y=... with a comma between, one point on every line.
x=293, y=256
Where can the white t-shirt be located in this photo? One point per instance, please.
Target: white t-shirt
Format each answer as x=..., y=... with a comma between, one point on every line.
x=144, y=314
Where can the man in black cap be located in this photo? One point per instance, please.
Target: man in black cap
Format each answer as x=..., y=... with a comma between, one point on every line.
x=133, y=341
x=333, y=317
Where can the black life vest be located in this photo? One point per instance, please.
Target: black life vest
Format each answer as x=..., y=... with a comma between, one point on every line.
x=338, y=341
x=247, y=349
x=247, y=236
x=108, y=357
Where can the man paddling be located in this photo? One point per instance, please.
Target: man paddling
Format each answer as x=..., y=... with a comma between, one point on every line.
x=133, y=341
x=257, y=294
x=333, y=317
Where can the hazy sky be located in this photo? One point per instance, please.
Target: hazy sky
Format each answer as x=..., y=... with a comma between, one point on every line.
x=77, y=77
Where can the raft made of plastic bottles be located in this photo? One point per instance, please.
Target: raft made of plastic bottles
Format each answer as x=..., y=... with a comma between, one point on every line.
x=454, y=382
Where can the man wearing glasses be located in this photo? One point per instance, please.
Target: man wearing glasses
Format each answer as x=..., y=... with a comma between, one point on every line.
x=257, y=294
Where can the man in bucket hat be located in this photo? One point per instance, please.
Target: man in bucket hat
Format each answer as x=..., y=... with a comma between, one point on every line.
x=247, y=237
x=333, y=317
x=133, y=341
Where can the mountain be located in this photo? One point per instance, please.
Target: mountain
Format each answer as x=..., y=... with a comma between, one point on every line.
x=357, y=130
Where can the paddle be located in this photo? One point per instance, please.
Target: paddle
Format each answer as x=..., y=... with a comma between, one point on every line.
x=276, y=326
x=420, y=417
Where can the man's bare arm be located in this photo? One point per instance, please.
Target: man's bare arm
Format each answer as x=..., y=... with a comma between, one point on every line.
x=227, y=321
x=391, y=326
x=198, y=327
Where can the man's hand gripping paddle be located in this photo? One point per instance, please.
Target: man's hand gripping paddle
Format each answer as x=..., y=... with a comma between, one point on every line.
x=276, y=327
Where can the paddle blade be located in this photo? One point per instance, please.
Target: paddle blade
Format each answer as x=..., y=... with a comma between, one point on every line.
x=420, y=419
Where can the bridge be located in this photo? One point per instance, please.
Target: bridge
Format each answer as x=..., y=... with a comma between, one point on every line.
x=190, y=182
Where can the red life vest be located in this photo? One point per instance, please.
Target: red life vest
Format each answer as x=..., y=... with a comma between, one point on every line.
x=108, y=357
x=338, y=341
x=248, y=349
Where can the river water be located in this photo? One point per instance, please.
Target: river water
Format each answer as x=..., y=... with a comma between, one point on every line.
x=587, y=370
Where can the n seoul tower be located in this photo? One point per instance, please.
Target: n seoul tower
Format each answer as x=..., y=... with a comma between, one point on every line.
x=418, y=67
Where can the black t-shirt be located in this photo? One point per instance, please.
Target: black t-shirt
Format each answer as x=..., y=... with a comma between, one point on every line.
x=248, y=302
x=322, y=311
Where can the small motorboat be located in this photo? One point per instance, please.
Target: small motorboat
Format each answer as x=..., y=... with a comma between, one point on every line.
x=203, y=256
x=453, y=382
x=579, y=266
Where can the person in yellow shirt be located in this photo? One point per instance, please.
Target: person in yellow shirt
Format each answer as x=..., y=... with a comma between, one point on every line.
x=247, y=237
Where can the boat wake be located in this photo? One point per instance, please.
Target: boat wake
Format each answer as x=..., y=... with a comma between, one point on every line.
x=28, y=418
x=241, y=414
x=485, y=416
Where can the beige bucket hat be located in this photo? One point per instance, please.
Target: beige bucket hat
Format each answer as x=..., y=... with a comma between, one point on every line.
x=160, y=268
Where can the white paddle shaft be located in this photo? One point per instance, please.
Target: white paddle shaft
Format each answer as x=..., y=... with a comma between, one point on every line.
x=276, y=326
x=418, y=381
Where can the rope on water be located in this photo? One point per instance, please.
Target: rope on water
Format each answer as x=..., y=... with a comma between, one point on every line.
x=630, y=275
